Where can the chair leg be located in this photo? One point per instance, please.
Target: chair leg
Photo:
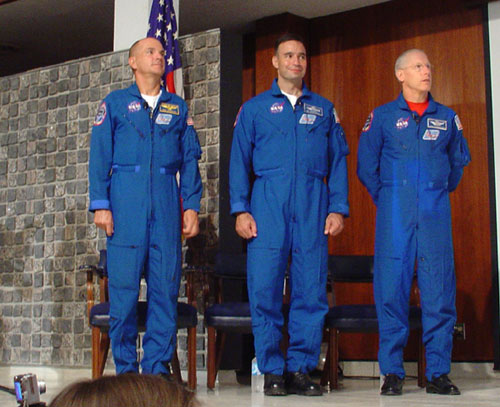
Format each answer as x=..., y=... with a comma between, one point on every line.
x=219, y=345
x=325, y=375
x=176, y=369
x=334, y=359
x=96, y=336
x=192, y=358
x=105, y=342
x=211, y=350
x=100, y=349
x=421, y=361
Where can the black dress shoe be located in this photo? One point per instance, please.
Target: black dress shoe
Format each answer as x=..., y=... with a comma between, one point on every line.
x=442, y=385
x=167, y=376
x=274, y=385
x=301, y=383
x=393, y=385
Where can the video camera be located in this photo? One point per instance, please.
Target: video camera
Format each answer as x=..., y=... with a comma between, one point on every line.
x=28, y=390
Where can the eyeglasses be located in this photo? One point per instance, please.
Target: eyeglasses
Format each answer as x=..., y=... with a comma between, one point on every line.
x=419, y=67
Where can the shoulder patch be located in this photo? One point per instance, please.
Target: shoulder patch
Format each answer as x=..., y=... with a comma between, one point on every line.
x=101, y=114
x=336, y=116
x=368, y=123
x=237, y=116
x=458, y=123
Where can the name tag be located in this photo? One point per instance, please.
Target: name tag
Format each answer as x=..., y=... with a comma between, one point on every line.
x=310, y=109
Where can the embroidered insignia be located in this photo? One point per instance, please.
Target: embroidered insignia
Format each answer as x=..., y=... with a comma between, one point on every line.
x=458, y=123
x=277, y=107
x=134, y=106
x=169, y=108
x=431, y=134
x=318, y=111
x=101, y=114
x=437, y=124
x=402, y=123
x=163, y=118
x=307, y=118
x=368, y=123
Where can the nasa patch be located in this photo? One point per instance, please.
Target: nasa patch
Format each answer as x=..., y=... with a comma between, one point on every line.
x=276, y=107
x=402, y=123
x=134, y=106
x=318, y=111
x=307, y=118
x=163, y=118
x=458, y=123
x=368, y=123
x=101, y=114
x=431, y=134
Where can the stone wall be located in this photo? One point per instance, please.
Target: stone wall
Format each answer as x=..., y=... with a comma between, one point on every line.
x=46, y=233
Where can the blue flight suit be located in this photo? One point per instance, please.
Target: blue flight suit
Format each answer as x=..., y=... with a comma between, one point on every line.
x=135, y=154
x=290, y=151
x=409, y=165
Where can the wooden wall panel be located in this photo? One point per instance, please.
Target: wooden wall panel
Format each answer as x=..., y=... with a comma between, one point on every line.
x=268, y=31
x=351, y=62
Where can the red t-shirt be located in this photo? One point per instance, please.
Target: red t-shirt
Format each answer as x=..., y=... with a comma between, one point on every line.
x=418, y=107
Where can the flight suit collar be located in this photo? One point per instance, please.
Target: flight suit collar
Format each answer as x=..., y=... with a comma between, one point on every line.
x=164, y=97
x=432, y=108
x=276, y=91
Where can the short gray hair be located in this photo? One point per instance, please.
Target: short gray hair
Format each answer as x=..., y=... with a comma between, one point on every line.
x=402, y=58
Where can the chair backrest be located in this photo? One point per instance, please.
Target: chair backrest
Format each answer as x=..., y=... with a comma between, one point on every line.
x=231, y=265
x=354, y=269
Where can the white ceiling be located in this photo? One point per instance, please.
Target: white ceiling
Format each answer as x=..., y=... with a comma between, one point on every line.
x=37, y=33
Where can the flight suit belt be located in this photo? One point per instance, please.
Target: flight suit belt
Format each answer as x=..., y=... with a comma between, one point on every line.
x=279, y=172
x=137, y=168
x=404, y=182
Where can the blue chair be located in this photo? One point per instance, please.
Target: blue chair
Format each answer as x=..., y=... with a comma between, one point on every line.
x=98, y=315
x=223, y=317
x=360, y=318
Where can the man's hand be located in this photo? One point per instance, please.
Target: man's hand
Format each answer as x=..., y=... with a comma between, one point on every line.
x=191, y=225
x=103, y=219
x=334, y=224
x=246, y=226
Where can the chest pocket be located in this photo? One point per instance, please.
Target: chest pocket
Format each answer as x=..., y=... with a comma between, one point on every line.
x=168, y=139
x=128, y=140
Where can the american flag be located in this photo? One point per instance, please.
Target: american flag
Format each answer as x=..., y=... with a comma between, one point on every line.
x=163, y=27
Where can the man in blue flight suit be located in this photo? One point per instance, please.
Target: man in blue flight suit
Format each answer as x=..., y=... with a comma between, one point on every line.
x=142, y=137
x=411, y=156
x=291, y=140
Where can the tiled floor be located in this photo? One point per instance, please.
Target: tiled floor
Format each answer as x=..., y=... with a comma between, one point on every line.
x=354, y=392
